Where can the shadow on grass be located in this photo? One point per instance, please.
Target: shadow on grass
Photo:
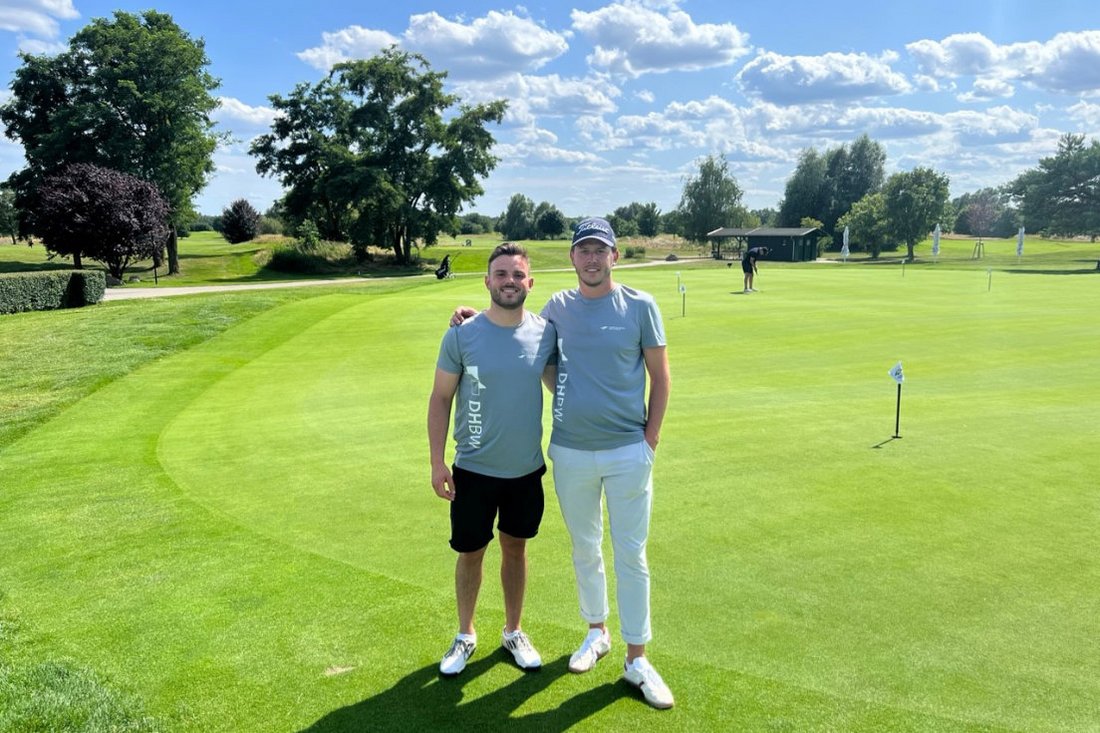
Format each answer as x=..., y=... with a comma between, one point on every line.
x=35, y=267
x=425, y=701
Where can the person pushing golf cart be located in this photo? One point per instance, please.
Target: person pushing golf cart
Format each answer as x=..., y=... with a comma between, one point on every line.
x=748, y=265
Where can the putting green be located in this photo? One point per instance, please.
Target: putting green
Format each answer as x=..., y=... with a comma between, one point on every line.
x=243, y=534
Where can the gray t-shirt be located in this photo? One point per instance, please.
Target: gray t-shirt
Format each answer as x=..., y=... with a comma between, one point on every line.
x=599, y=398
x=498, y=405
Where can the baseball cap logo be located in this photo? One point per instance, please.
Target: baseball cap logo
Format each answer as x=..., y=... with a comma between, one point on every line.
x=596, y=229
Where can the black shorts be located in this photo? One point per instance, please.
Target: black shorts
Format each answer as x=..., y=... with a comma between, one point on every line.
x=478, y=498
x=746, y=267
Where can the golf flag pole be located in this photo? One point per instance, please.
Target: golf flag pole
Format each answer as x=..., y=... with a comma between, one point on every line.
x=897, y=376
x=683, y=299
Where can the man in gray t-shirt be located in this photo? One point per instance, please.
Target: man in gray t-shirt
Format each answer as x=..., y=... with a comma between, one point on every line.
x=491, y=368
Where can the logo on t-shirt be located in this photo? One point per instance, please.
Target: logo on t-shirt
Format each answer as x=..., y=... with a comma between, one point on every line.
x=473, y=408
x=471, y=371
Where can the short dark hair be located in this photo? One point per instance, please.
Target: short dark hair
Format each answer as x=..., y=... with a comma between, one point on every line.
x=508, y=248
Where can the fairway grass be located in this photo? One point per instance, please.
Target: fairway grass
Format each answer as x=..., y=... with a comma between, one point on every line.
x=241, y=535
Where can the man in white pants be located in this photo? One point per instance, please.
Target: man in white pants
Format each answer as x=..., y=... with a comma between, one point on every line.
x=609, y=337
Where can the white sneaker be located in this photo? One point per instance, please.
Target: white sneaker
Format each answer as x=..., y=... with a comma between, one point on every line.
x=641, y=674
x=454, y=661
x=595, y=646
x=522, y=649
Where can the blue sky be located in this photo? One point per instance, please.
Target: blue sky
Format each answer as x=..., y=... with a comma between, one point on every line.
x=614, y=102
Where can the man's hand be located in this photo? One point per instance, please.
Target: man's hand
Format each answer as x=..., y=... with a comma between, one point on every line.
x=461, y=313
x=443, y=482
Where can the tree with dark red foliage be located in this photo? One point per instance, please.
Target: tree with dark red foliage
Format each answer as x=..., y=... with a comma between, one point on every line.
x=107, y=216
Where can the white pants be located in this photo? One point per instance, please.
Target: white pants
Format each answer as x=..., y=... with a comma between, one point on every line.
x=625, y=475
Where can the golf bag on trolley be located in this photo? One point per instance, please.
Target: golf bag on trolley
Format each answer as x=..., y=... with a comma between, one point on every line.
x=443, y=272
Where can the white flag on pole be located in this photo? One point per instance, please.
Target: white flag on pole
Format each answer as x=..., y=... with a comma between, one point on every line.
x=1020, y=243
x=896, y=374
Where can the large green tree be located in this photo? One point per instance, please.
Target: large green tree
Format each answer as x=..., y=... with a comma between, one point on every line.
x=518, y=220
x=131, y=94
x=867, y=224
x=378, y=153
x=1061, y=197
x=825, y=185
x=710, y=199
x=915, y=202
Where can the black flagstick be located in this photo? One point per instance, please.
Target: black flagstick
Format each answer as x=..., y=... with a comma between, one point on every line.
x=897, y=416
x=897, y=374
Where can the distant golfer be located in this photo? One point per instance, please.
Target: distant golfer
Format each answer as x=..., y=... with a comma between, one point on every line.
x=491, y=368
x=748, y=265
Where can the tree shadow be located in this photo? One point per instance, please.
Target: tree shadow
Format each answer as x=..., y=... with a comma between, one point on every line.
x=425, y=701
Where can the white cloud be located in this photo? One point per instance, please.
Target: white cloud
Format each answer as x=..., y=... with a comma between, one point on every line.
x=36, y=17
x=987, y=89
x=486, y=48
x=1086, y=114
x=549, y=95
x=995, y=125
x=1067, y=63
x=633, y=39
x=233, y=109
x=646, y=96
x=831, y=76
x=39, y=47
x=353, y=42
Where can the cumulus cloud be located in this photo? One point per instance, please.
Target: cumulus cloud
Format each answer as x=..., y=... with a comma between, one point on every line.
x=353, y=42
x=1067, y=63
x=987, y=89
x=1084, y=113
x=831, y=76
x=633, y=39
x=232, y=109
x=485, y=48
x=36, y=17
x=994, y=126
x=549, y=95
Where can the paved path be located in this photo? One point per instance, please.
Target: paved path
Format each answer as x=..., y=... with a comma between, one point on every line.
x=166, y=292
x=128, y=293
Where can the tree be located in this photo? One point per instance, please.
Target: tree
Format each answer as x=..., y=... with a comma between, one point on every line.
x=804, y=194
x=549, y=221
x=711, y=199
x=915, y=203
x=867, y=224
x=240, y=222
x=825, y=185
x=1061, y=197
x=131, y=94
x=377, y=151
x=518, y=220
x=108, y=216
x=649, y=220
x=9, y=215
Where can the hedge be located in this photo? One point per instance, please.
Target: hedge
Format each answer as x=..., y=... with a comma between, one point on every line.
x=38, y=291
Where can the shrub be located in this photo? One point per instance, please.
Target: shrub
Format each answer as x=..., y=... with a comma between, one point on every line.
x=270, y=225
x=240, y=222
x=37, y=291
x=322, y=259
x=631, y=252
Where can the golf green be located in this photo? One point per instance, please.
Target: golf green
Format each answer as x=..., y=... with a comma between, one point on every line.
x=243, y=534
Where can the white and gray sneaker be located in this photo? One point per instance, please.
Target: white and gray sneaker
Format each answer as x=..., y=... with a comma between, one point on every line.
x=641, y=674
x=524, y=652
x=454, y=661
x=595, y=646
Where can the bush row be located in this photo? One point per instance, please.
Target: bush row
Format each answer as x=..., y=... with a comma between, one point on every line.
x=39, y=291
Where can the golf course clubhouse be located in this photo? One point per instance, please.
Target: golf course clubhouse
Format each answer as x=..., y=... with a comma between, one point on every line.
x=787, y=244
